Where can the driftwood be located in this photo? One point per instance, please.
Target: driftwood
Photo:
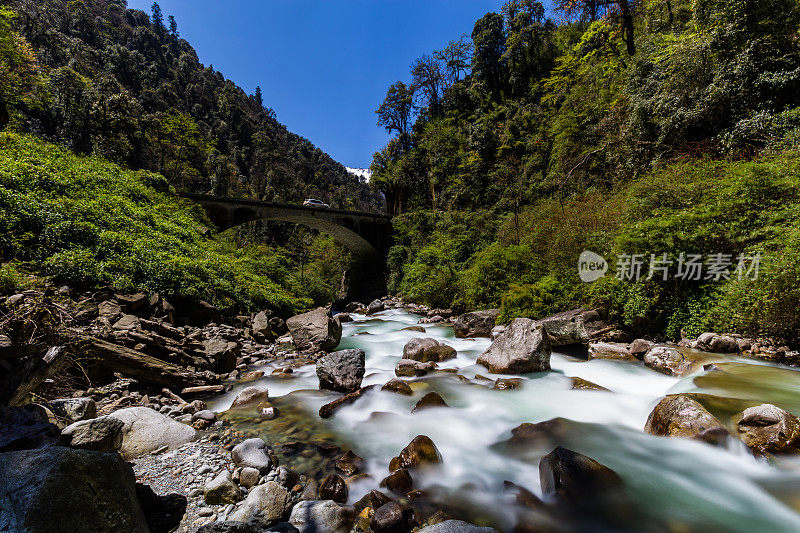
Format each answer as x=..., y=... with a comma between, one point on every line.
x=16, y=387
x=327, y=410
x=204, y=389
x=140, y=366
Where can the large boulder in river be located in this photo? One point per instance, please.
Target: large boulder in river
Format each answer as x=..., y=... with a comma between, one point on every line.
x=679, y=415
x=576, y=480
x=375, y=306
x=341, y=371
x=420, y=452
x=572, y=327
x=250, y=395
x=711, y=342
x=522, y=348
x=315, y=329
x=61, y=489
x=768, y=429
x=316, y=516
x=146, y=430
x=610, y=350
x=427, y=349
x=476, y=323
x=668, y=360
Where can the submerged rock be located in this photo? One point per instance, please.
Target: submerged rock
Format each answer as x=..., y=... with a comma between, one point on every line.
x=427, y=350
x=679, y=415
x=476, y=323
x=524, y=347
x=341, y=371
x=768, y=429
x=432, y=399
x=455, y=526
x=249, y=395
x=399, y=386
x=420, y=452
x=585, y=384
x=316, y=516
x=146, y=430
x=315, y=329
x=508, y=384
x=577, y=480
x=410, y=368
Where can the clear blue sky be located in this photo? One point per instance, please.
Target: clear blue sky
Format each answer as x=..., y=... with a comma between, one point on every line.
x=323, y=65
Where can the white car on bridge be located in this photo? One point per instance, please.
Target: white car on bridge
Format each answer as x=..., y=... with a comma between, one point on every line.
x=311, y=202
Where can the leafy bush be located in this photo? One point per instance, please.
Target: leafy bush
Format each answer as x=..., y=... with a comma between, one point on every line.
x=10, y=280
x=545, y=297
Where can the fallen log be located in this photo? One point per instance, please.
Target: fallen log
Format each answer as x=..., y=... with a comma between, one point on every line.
x=16, y=387
x=327, y=410
x=140, y=366
x=203, y=389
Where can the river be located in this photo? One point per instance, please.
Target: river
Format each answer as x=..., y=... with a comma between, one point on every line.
x=674, y=484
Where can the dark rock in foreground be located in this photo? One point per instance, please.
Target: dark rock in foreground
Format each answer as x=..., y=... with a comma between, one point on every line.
x=341, y=371
x=522, y=348
x=768, y=429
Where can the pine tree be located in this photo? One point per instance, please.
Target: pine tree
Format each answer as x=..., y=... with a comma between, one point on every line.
x=258, y=97
x=173, y=27
x=157, y=18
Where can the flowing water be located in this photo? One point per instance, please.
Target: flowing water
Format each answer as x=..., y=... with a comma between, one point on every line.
x=673, y=484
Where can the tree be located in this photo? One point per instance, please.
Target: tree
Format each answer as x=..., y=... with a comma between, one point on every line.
x=427, y=77
x=455, y=60
x=258, y=97
x=394, y=114
x=529, y=51
x=157, y=18
x=173, y=27
x=19, y=76
x=584, y=10
x=489, y=43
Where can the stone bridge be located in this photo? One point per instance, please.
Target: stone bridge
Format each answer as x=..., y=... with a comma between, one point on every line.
x=366, y=235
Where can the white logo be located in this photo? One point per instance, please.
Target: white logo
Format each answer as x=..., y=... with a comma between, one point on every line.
x=591, y=266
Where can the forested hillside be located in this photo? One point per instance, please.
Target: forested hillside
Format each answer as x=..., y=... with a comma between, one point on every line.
x=624, y=127
x=119, y=83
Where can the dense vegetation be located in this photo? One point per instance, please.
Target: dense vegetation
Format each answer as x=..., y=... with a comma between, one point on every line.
x=644, y=127
x=122, y=84
x=86, y=222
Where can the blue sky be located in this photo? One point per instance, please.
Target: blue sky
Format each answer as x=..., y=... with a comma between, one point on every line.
x=323, y=65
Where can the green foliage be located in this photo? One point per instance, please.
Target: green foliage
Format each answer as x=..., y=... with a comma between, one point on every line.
x=545, y=297
x=10, y=279
x=86, y=222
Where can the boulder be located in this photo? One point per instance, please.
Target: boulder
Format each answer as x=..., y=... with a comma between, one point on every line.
x=350, y=464
x=585, y=384
x=639, y=347
x=508, y=384
x=277, y=325
x=711, y=342
x=399, y=386
x=222, y=490
x=316, y=516
x=249, y=477
x=373, y=498
x=62, y=489
x=427, y=349
x=609, y=350
x=110, y=310
x=250, y=395
x=679, y=415
x=432, y=399
x=476, y=323
x=74, y=409
x=223, y=353
x=572, y=327
x=420, y=452
x=25, y=428
x=127, y=323
x=392, y=518
x=266, y=504
x=252, y=453
x=146, y=430
x=375, y=306
x=333, y=488
x=575, y=479
x=341, y=371
x=455, y=526
x=667, y=360
x=315, y=329
x=411, y=368
x=522, y=348
x=768, y=429
x=132, y=302
x=262, y=328
x=399, y=481
x=102, y=434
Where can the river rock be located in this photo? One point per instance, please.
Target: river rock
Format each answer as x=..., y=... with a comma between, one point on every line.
x=250, y=395
x=127, y=323
x=679, y=415
x=398, y=481
x=639, y=347
x=522, y=348
x=410, y=368
x=392, y=517
x=146, y=430
x=420, y=452
x=110, y=310
x=316, y=516
x=25, y=428
x=277, y=325
x=576, y=479
x=609, y=350
x=508, y=384
x=399, y=386
x=432, y=399
x=476, y=323
x=315, y=329
x=373, y=498
x=63, y=489
x=74, y=409
x=222, y=490
x=223, y=353
x=585, y=384
x=341, y=371
x=768, y=429
x=711, y=342
x=427, y=349
x=455, y=526
x=667, y=360
x=578, y=326
x=375, y=306
x=102, y=434
x=333, y=488
x=262, y=328
x=266, y=504
x=252, y=453
x=249, y=477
